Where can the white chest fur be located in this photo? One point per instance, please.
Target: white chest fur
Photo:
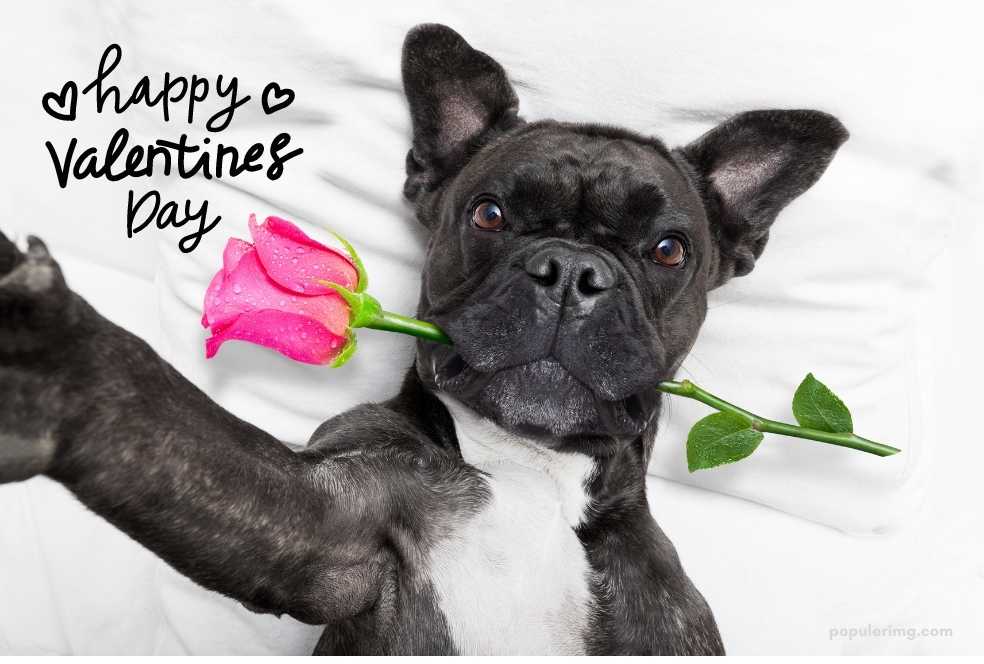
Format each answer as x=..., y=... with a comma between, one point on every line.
x=515, y=578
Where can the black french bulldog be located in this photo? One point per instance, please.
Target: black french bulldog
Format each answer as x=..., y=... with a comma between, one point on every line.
x=497, y=504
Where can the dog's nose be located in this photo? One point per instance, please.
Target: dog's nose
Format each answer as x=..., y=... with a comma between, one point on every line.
x=570, y=276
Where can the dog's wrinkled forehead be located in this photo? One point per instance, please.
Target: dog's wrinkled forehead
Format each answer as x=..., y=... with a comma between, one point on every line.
x=579, y=178
x=744, y=171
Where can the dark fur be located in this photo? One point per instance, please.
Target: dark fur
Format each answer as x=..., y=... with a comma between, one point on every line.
x=338, y=533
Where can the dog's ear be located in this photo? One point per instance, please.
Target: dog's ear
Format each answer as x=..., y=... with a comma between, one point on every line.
x=458, y=98
x=750, y=167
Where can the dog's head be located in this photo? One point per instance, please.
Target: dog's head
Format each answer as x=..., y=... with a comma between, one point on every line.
x=570, y=263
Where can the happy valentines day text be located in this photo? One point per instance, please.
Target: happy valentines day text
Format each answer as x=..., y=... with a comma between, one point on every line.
x=182, y=96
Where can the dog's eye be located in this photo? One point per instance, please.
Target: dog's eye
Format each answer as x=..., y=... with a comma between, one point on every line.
x=488, y=216
x=670, y=252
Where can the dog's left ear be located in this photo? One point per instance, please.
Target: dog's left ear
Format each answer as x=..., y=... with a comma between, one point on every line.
x=750, y=167
x=458, y=98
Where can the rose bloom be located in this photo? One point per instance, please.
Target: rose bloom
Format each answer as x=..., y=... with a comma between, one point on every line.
x=268, y=293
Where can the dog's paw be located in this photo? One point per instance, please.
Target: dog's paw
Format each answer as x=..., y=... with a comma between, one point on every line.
x=36, y=306
x=39, y=318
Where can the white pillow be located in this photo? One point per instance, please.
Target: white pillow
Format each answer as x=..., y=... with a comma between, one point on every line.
x=838, y=291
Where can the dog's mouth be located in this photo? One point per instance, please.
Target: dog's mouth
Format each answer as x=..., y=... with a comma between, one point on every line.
x=543, y=398
x=548, y=371
x=453, y=367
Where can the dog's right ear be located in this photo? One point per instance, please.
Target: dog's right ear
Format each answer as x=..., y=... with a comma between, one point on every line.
x=749, y=168
x=458, y=98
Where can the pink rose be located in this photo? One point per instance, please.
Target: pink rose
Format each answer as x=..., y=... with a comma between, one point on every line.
x=274, y=293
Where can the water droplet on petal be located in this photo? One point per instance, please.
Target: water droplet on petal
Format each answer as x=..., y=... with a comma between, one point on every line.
x=237, y=289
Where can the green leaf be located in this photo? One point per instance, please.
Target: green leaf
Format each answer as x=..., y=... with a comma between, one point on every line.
x=816, y=407
x=720, y=438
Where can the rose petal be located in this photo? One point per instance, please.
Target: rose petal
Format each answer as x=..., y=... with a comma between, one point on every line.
x=298, y=337
x=297, y=262
x=235, y=249
x=211, y=292
x=249, y=288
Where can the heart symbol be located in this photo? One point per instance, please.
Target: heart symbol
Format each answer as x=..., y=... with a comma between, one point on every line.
x=54, y=103
x=282, y=98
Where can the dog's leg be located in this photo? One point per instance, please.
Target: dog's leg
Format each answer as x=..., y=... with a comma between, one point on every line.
x=93, y=407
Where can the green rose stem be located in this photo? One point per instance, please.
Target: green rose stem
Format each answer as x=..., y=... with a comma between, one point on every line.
x=844, y=439
x=365, y=311
x=391, y=322
x=725, y=437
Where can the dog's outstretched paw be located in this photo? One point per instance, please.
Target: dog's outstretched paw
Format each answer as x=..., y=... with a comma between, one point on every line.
x=10, y=255
x=38, y=321
x=36, y=305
